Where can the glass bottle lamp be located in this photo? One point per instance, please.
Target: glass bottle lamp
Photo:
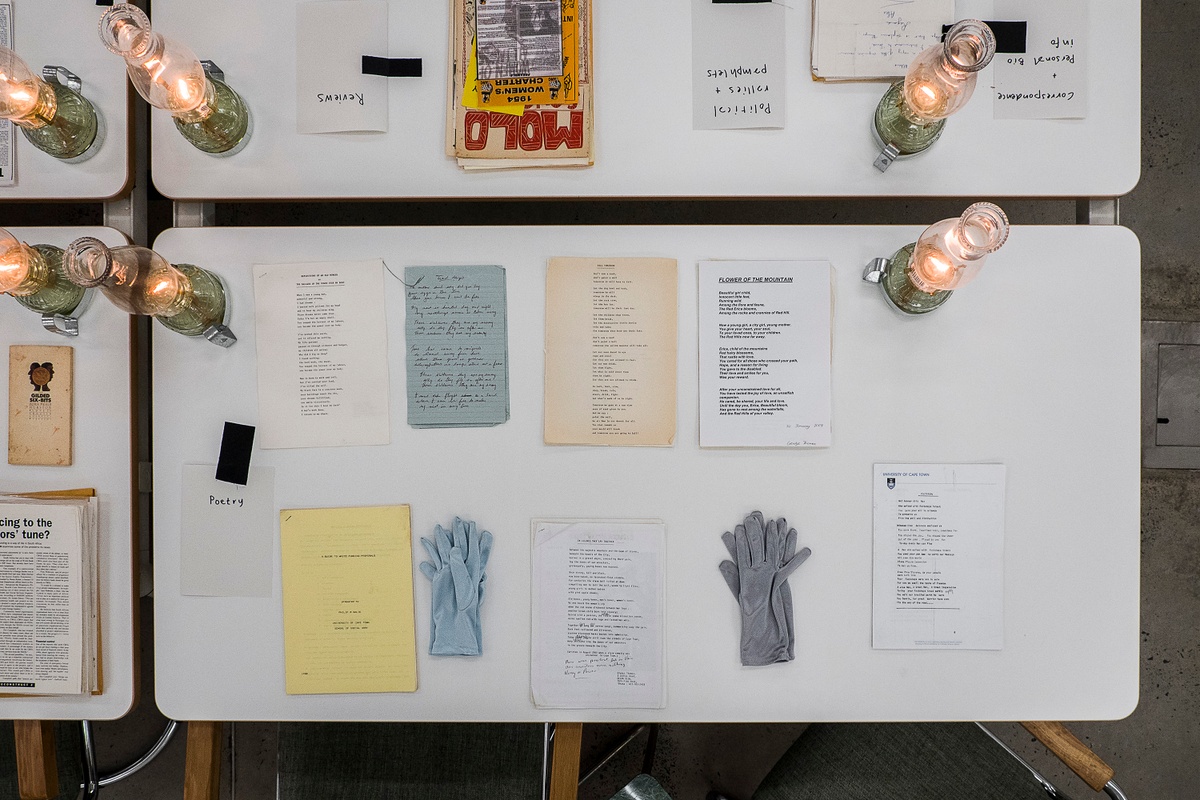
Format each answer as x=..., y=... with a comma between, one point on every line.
x=920, y=276
x=912, y=113
x=54, y=117
x=183, y=297
x=209, y=114
x=34, y=276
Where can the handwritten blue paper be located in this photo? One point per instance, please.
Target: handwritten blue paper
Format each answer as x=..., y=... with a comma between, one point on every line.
x=456, y=345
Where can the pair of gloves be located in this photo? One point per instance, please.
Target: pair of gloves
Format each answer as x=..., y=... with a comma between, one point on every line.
x=458, y=558
x=764, y=555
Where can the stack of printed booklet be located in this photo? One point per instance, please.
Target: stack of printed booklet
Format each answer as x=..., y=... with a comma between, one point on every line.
x=49, y=593
x=520, y=84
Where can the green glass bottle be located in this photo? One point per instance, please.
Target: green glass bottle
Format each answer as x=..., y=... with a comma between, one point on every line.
x=184, y=298
x=921, y=275
x=912, y=112
x=56, y=119
x=222, y=122
x=35, y=277
x=209, y=114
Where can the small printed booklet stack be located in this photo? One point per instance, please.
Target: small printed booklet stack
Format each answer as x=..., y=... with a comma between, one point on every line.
x=49, y=594
x=520, y=84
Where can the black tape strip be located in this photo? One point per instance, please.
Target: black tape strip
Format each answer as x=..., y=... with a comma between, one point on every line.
x=391, y=67
x=236, y=443
x=1010, y=35
x=742, y=1
x=104, y=2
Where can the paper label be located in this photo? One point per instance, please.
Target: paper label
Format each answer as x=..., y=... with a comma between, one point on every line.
x=738, y=65
x=332, y=94
x=226, y=533
x=1048, y=80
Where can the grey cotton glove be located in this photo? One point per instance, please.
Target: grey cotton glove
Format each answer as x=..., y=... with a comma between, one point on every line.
x=764, y=555
x=458, y=558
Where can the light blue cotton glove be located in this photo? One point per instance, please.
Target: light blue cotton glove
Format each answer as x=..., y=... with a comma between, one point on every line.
x=459, y=557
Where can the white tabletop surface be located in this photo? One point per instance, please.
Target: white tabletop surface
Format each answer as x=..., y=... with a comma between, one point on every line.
x=645, y=145
x=64, y=34
x=103, y=461
x=1029, y=366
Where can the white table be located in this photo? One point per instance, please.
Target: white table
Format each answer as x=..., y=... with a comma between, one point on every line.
x=1031, y=365
x=64, y=34
x=645, y=145
x=103, y=461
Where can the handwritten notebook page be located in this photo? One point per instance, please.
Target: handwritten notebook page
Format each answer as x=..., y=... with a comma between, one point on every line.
x=348, y=600
x=456, y=345
x=869, y=39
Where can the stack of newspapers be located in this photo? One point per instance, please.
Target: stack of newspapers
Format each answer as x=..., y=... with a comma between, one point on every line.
x=49, y=593
x=520, y=84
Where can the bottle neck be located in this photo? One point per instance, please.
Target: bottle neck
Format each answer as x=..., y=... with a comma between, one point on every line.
x=151, y=49
x=43, y=111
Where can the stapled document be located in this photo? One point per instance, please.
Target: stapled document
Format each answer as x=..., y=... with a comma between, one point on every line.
x=939, y=556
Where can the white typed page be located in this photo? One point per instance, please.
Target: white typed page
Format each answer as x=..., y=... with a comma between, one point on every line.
x=322, y=354
x=765, y=353
x=598, y=614
x=939, y=556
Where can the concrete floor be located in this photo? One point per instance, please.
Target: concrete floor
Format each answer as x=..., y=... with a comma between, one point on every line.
x=1156, y=751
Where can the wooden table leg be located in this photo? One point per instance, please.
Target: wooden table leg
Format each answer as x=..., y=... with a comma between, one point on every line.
x=564, y=768
x=37, y=765
x=202, y=767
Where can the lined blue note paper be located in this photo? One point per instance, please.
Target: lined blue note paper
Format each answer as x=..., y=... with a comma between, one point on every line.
x=456, y=343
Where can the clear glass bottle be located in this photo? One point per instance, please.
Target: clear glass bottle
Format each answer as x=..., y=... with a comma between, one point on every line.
x=184, y=298
x=939, y=82
x=34, y=276
x=923, y=274
x=54, y=118
x=209, y=114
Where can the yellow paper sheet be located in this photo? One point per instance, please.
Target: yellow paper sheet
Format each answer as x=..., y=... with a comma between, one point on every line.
x=470, y=95
x=348, y=600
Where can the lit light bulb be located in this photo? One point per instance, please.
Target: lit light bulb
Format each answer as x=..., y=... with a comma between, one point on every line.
x=939, y=81
x=56, y=119
x=926, y=98
x=183, y=297
x=20, y=274
x=34, y=276
x=20, y=90
x=920, y=276
x=168, y=75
